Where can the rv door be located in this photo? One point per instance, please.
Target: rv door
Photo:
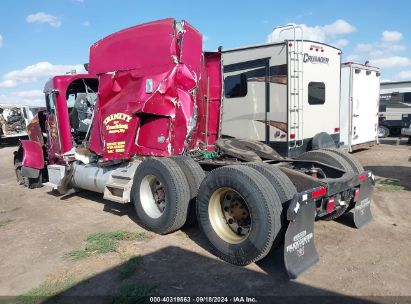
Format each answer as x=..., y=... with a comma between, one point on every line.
x=365, y=96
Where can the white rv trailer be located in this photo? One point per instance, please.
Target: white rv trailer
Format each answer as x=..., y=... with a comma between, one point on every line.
x=283, y=94
x=360, y=87
x=395, y=107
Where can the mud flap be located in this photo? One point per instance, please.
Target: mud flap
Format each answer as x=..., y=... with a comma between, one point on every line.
x=362, y=209
x=299, y=248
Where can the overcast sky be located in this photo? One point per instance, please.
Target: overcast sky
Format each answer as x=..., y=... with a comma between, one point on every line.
x=41, y=38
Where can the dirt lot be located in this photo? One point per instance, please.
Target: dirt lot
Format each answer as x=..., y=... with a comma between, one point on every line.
x=38, y=227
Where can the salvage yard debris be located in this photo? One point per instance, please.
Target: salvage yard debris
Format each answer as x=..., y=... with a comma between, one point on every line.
x=11, y=121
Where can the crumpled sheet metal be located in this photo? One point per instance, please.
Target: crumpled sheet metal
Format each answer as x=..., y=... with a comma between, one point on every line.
x=149, y=107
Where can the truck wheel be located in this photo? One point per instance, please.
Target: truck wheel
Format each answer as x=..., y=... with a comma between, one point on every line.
x=194, y=175
x=354, y=163
x=30, y=183
x=239, y=213
x=383, y=132
x=282, y=185
x=326, y=157
x=332, y=159
x=33, y=183
x=19, y=175
x=161, y=195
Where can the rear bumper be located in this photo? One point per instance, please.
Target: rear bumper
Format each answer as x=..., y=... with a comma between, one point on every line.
x=299, y=247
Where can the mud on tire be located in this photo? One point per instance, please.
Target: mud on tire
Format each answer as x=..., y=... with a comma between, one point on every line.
x=235, y=197
x=160, y=195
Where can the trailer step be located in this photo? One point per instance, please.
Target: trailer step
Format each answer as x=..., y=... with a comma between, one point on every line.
x=116, y=186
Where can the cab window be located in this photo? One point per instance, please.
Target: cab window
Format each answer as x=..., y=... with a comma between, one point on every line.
x=50, y=106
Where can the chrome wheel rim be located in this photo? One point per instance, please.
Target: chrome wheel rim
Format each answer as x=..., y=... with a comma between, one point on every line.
x=381, y=132
x=229, y=215
x=152, y=196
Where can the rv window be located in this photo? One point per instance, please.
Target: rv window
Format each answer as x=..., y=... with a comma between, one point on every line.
x=407, y=97
x=316, y=93
x=235, y=86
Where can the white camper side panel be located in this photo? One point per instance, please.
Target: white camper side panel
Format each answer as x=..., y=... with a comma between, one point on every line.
x=345, y=107
x=365, y=103
x=321, y=92
x=246, y=113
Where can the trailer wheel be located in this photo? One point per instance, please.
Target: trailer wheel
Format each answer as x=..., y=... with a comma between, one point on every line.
x=239, y=213
x=282, y=185
x=194, y=175
x=160, y=195
x=332, y=159
x=354, y=163
x=383, y=132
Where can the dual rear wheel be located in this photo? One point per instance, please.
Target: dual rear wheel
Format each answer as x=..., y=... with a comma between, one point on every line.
x=238, y=208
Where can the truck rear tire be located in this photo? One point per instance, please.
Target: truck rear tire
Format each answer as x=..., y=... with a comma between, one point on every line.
x=282, y=185
x=239, y=213
x=326, y=157
x=194, y=175
x=333, y=159
x=354, y=163
x=161, y=195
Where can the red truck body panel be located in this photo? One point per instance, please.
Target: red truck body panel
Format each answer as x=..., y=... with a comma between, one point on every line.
x=153, y=82
x=33, y=154
x=58, y=124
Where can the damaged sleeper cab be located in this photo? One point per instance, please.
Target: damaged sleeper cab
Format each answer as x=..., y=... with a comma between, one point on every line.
x=155, y=133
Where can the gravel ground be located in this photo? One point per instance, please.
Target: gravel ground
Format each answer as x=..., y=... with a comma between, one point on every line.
x=37, y=228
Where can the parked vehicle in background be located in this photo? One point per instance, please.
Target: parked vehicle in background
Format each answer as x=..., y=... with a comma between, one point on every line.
x=406, y=132
x=12, y=122
x=395, y=108
x=360, y=89
x=153, y=138
x=285, y=94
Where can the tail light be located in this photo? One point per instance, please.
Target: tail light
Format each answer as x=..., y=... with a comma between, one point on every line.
x=319, y=192
x=292, y=136
x=362, y=177
x=336, y=130
x=330, y=205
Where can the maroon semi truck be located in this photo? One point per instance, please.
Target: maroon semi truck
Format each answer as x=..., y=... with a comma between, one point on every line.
x=143, y=126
